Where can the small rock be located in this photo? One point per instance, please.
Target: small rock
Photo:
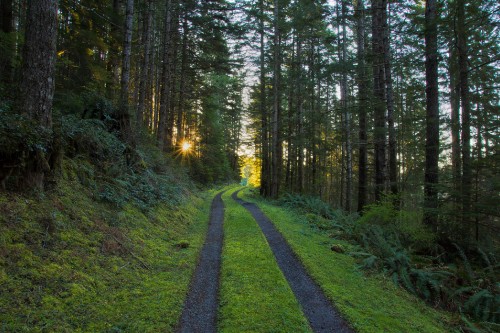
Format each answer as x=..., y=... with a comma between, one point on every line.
x=337, y=248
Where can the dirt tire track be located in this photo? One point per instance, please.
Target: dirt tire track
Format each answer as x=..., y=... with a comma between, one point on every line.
x=200, y=308
x=320, y=312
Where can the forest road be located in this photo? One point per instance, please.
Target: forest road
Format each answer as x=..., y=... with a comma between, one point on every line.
x=200, y=308
x=320, y=312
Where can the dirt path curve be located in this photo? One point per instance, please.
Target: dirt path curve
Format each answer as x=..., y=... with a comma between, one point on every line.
x=200, y=308
x=322, y=315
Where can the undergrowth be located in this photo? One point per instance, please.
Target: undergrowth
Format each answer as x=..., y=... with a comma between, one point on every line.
x=395, y=242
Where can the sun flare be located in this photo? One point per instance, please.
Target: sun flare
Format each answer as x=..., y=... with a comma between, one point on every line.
x=186, y=147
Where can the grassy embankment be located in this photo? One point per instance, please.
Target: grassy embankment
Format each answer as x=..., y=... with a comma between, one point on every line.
x=370, y=303
x=70, y=262
x=254, y=295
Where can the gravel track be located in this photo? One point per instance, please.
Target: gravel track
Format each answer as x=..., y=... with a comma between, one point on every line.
x=322, y=315
x=200, y=308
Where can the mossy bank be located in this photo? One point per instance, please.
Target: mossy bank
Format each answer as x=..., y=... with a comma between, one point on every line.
x=71, y=261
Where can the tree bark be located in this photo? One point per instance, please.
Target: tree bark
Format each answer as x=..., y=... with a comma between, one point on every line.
x=143, y=114
x=265, y=184
x=165, y=81
x=346, y=113
x=466, y=123
x=378, y=50
x=125, y=125
x=276, y=137
x=393, y=171
x=455, y=120
x=362, y=95
x=38, y=81
x=432, y=117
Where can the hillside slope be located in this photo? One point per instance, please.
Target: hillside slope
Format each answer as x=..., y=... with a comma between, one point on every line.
x=73, y=261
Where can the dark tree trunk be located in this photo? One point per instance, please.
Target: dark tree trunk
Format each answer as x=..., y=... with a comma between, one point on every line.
x=37, y=81
x=393, y=171
x=182, y=84
x=276, y=133
x=300, y=119
x=6, y=27
x=345, y=111
x=455, y=121
x=362, y=95
x=265, y=184
x=125, y=125
x=378, y=50
x=145, y=70
x=432, y=116
x=165, y=81
x=466, y=123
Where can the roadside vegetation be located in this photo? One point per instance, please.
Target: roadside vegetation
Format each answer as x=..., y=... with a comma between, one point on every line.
x=109, y=246
x=371, y=303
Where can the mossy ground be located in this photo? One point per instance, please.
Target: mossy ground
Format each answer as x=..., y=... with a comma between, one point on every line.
x=370, y=303
x=254, y=295
x=72, y=263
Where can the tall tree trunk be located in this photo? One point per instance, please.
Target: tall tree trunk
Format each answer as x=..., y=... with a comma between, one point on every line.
x=165, y=81
x=182, y=85
x=378, y=50
x=432, y=116
x=37, y=81
x=300, y=118
x=345, y=111
x=362, y=95
x=265, y=183
x=393, y=171
x=145, y=70
x=455, y=120
x=466, y=124
x=276, y=133
x=124, y=116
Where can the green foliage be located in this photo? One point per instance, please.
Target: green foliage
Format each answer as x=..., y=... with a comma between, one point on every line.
x=393, y=241
x=73, y=263
x=406, y=224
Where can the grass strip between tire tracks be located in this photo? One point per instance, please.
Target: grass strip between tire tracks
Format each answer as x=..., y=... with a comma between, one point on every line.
x=254, y=295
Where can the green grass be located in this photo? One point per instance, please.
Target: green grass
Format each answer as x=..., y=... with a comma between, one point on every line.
x=370, y=303
x=254, y=295
x=70, y=263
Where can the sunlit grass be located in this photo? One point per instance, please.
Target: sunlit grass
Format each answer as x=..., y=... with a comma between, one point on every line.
x=254, y=295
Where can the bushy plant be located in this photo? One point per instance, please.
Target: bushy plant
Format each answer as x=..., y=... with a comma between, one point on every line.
x=407, y=224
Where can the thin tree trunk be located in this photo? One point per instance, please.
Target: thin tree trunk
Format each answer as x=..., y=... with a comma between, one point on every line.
x=393, y=172
x=378, y=50
x=455, y=121
x=165, y=80
x=182, y=85
x=124, y=116
x=276, y=137
x=300, y=118
x=466, y=124
x=362, y=95
x=346, y=113
x=265, y=184
x=145, y=70
x=432, y=117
